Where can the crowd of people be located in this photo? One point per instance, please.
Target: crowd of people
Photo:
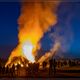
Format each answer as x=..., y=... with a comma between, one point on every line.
x=33, y=68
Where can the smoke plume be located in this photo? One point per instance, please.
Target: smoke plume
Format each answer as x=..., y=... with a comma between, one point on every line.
x=50, y=54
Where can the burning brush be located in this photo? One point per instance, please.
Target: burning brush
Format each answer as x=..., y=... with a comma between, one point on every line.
x=37, y=16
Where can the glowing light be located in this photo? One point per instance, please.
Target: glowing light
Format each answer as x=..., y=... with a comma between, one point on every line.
x=22, y=65
x=26, y=65
x=15, y=64
x=27, y=50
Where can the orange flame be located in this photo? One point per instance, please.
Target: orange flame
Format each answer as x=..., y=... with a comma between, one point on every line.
x=35, y=19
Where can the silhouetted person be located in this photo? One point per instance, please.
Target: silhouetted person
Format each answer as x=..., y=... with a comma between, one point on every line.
x=51, y=66
x=65, y=63
x=3, y=70
x=18, y=69
x=61, y=64
x=7, y=70
x=33, y=68
x=54, y=64
x=29, y=68
x=0, y=68
x=44, y=64
x=13, y=70
x=36, y=67
x=10, y=71
x=69, y=62
x=58, y=64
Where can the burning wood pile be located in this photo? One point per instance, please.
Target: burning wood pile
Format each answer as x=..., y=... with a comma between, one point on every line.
x=36, y=17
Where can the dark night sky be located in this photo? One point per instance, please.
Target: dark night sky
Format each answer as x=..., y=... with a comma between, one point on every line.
x=9, y=13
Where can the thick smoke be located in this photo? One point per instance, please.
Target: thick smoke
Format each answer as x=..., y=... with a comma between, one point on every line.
x=63, y=34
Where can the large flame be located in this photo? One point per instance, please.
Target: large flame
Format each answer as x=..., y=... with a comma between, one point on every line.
x=37, y=16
